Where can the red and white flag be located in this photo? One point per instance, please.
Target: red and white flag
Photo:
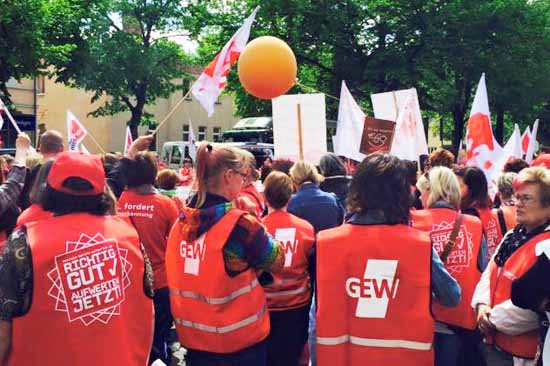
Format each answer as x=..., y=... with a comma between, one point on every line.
x=128, y=141
x=482, y=150
x=211, y=83
x=525, y=138
x=76, y=132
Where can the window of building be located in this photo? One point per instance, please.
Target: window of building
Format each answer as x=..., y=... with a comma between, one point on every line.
x=217, y=134
x=202, y=133
x=185, y=136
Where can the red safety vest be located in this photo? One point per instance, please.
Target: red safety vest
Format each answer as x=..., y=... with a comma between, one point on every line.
x=461, y=262
x=523, y=345
x=491, y=229
x=34, y=212
x=291, y=287
x=89, y=306
x=213, y=312
x=373, y=293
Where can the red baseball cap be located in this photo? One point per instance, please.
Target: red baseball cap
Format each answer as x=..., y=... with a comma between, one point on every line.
x=70, y=164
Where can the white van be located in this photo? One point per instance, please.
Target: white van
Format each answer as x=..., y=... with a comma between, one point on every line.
x=173, y=153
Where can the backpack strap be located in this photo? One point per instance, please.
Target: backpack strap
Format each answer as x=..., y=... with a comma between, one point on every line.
x=451, y=243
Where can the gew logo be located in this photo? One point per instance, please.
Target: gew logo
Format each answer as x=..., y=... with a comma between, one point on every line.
x=193, y=253
x=287, y=237
x=375, y=289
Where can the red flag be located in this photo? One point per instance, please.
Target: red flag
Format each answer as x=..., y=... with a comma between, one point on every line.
x=211, y=83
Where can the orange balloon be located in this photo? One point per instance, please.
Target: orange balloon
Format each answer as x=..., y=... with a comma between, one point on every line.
x=267, y=67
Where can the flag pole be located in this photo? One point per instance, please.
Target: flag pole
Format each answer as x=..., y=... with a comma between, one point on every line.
x=170, y=113
x=12, y=120
x=315, y=90
x=300, y=140
x=95, y=142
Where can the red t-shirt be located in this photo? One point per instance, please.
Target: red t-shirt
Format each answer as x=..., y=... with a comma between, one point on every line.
x=153, y=215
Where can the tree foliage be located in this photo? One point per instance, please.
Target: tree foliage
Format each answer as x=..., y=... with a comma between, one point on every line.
x=117, y=48
x=439, y=47
x=21, y=41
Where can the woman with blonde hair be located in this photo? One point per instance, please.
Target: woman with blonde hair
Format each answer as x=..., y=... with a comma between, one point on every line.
x=310, y=203
x=459, y=241
x=214, y=255
x=249, y=188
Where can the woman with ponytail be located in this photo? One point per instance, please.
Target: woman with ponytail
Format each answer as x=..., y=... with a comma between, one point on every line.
x=214, y=256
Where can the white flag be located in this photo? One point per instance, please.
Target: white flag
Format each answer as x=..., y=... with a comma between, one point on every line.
x=349, y=129
x=76, y=132
x=191, y=142
x=211, y=83
x=2, y=108
x=532, y=143
x=409, y=140
x=512, y=149
x=84, y=150
x=128, y=140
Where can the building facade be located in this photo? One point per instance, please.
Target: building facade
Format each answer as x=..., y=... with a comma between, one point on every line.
x=42, y=105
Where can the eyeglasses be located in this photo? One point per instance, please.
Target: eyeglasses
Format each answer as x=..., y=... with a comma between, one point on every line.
x=524, y=199
x=244, y=175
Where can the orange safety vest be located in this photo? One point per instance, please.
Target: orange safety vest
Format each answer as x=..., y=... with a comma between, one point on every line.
x=523, y=345
x=89, y=306
x=461, y=262
x=213, y=312
x=373, y=293
x=291, y=287
x=256, y=197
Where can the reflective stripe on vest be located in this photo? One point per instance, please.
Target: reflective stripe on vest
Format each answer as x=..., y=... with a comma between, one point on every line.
x=297, y=291
x=226, y=329
x=216, y=300
x=371, y=342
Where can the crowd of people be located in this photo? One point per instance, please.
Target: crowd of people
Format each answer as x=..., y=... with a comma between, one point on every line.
x=379, y=262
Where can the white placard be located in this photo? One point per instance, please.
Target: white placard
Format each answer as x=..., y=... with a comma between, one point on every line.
x=384, y=104
x=314, y=127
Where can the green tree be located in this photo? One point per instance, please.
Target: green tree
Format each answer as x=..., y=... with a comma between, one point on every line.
x=118, y=48
x=21, y=43
x=441, y=48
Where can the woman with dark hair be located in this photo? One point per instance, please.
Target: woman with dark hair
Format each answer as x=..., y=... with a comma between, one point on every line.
x=476, y=202
x=153, y=215
x=336, y=181
x=35, y=211
x=76, y=281
x=358, y=322
x=214, y=256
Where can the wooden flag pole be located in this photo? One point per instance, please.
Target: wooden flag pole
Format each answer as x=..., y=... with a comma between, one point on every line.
x=97, y=143
x=170, y=113
x=304, y=87
x=300, y=139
